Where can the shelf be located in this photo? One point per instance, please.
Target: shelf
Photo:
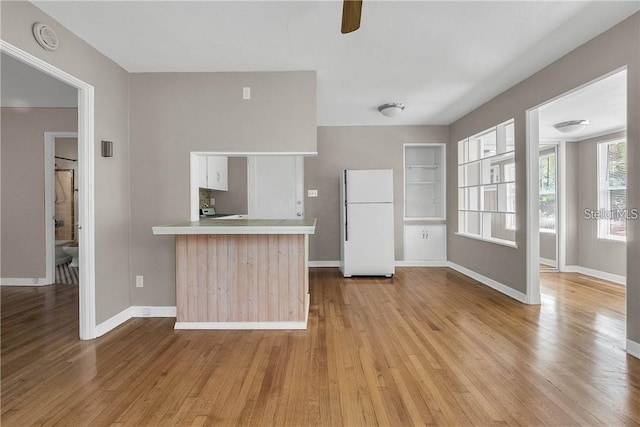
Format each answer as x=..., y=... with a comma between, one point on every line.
x=422, y=166
x=424, y=186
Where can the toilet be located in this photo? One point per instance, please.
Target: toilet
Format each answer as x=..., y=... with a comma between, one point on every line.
x=72, y=250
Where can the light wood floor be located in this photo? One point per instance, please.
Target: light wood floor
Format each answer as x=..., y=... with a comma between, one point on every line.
x=428, y=347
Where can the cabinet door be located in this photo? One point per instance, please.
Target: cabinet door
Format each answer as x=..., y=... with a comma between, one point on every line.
x=217, y=176
x=202, y=172
x=424, y=242
x=275, y=187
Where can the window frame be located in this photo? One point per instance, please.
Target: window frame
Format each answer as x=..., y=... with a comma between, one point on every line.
x=604, y=192
x=478, y=173
x=548, y=155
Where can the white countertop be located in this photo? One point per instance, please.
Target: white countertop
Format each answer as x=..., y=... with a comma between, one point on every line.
x=239, y=226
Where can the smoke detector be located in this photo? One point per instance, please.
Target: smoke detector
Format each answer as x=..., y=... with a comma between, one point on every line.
x=45, y=36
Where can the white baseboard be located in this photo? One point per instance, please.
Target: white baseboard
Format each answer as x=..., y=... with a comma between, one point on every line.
x=615, y=278
x=42, y=281
x=240, y=325
x=324, y=263
x=248, y=325
x=519, y=296
x=633, y=348
x=399, y=263
x=130, y=313
x=422, y=263
x=546, y=261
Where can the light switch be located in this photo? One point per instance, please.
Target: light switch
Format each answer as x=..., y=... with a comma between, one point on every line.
x=312, y=193
x=246, y=93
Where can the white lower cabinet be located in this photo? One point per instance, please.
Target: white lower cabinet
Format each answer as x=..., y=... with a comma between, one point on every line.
x=425, y=242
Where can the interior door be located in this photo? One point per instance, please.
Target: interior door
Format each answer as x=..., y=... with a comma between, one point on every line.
x=275, y=187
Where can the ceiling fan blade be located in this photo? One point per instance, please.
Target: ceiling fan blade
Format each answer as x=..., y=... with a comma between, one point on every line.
x=351, y=12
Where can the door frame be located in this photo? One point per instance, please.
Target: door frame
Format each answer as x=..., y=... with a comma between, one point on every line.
x=49, y=200
x=560, y=152
x=532, y=153
x=86, y=171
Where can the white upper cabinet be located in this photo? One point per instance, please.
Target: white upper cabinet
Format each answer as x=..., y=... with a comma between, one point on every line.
x=424, y=182
x=275, y=187
x=213, y=172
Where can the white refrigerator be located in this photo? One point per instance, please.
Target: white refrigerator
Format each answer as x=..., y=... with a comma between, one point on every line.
x=366, y=218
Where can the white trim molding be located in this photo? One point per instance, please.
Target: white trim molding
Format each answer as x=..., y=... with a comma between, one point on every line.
x=633, y=349
x=35, y=281
x=603, y=275
x=324, y=263
x=418, y=263
x=398, y=263
x=248, y=325
x=133, y=312
x=549, y=262
x=240, y=325
x=86, y=216
x=510, y=292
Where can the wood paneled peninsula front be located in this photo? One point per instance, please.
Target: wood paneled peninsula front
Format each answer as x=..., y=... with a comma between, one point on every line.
x=241, y=273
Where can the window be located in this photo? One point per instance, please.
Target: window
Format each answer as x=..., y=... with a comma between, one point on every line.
x=612, y=190
x=487, y=185
x=547, y=190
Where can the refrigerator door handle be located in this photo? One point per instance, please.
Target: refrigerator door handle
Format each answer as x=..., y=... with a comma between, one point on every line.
x=346, y=209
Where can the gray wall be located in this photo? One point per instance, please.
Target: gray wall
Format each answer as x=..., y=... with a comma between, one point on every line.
x=548, y=246
x=356, y=147
x=613, y=49
x=234, y=200
x=22, y=191
x=598, y=254
x=111, y=84
x=173, y=114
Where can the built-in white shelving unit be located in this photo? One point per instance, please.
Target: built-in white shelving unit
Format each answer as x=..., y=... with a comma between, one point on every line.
x=425, y=204
x=424, y=182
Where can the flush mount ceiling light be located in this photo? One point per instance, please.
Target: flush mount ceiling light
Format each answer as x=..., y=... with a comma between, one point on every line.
x=391, y=109
x=571, y=126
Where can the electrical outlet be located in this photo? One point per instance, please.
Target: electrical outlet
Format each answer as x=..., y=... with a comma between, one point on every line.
x=212, y=202
x=139, y=282
x=246, y=93
x=312, y=193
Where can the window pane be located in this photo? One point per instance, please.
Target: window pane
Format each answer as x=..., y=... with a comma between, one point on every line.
x=488, y=144
x=473, y=198
x=548, y=212
x=462, y=199
x=461, y=178
x=498, y=226
x=617, y=164
x=472, y=173
x=473, y=148
x=511, y=137
x=462, y=152
x=489, y=198
x=472, y=222
x=547, y=174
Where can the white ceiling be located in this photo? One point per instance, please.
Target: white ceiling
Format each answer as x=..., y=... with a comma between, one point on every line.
x=24, y=86
x=442, y=59
x=603, y=103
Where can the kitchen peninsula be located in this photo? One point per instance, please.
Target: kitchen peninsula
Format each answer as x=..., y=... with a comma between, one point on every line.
x=241, y=273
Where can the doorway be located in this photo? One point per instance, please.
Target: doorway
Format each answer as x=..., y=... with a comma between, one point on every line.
x=60, y=196
x=576, y=157
x=85, y=224
x=549, y=203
